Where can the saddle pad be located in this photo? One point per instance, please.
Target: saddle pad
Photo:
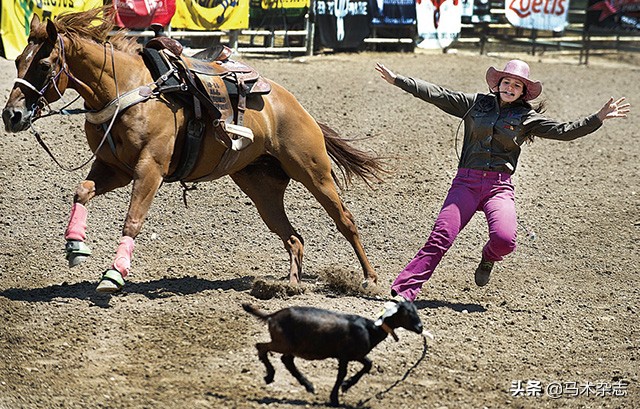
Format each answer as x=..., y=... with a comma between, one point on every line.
x=158, y=65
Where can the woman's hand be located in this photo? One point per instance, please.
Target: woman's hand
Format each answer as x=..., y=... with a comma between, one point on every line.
x=386, y=73
x=617, y=109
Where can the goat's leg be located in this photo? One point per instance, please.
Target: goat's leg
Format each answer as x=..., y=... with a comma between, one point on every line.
x=342, y=373
x=263, y=355
x=287, y=360
x=366, y=362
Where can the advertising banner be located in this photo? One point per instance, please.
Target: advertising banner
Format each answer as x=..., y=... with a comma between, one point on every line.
x=613, y=15
x=277, y=13
x=342, y=24
x=211, y=14
x=439, y=22
x=548, y=15
x=16, y=17
x=467, y=8
x=393, y=12
x=140, y=14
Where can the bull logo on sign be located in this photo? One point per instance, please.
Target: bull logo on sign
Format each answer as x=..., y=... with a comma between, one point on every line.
x=340, y=10
x=436, y=13
x=226, y=5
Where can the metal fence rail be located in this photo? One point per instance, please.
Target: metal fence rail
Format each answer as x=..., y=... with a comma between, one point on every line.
x=491, y=29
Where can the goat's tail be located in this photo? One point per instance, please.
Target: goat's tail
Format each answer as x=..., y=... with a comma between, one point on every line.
x=263, y=315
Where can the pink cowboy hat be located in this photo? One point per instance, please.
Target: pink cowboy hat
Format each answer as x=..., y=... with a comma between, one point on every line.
x=515, y=69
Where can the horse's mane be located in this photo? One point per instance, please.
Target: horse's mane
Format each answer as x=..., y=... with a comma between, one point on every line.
x=95, y=24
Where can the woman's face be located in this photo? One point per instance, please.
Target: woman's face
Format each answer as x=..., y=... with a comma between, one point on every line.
x=510, y=89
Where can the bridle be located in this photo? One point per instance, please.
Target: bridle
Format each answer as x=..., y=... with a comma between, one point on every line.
x=41, y=102
x=52, y=80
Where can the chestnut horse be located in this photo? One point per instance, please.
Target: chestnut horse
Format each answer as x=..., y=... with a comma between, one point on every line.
x=73, y=52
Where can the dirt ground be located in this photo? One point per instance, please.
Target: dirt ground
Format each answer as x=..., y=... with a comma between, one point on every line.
x=561, y=312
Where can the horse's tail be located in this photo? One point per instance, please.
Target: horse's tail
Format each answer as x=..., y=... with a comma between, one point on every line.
x=350, y=160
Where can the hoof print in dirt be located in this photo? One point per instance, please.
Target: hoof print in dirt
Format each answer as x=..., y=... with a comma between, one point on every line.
x=349, y=283
x=267, y=289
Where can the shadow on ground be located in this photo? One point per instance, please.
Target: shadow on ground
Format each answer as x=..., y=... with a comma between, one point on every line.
x=162, y=288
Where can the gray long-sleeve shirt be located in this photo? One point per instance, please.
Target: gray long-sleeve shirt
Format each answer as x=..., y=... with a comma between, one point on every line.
x=493, y=135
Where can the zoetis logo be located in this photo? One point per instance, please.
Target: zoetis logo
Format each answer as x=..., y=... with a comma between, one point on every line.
x=56, y=3
x=525, y=8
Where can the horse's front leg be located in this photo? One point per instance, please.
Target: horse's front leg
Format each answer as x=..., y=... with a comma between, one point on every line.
x=101, y=179
x=146, y=181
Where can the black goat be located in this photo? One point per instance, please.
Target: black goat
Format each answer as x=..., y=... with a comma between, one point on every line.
x=313, y=333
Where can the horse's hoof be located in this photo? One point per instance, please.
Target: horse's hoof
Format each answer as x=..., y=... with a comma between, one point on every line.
x=77, y=252
x=75, y=260
x=111, y=282
x=369, y=284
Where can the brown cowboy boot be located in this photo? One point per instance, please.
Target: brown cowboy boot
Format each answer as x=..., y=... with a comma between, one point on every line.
x=483, y=272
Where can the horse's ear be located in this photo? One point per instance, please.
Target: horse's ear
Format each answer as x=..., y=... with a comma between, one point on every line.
x=35, y=22
x=52, y=31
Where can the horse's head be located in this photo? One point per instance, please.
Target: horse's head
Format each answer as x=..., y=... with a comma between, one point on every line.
x=39, y=80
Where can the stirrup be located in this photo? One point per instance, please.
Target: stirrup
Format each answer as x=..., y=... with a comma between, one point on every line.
x=111, y=282
x=77, y=252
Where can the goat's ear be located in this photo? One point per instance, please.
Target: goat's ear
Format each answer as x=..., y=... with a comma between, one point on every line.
x=390, y=308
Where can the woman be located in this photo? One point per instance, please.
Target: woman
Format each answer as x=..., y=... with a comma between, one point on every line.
x=495, y=127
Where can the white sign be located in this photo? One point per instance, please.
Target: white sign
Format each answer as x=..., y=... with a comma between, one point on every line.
x=439, y=22
x=537, y=14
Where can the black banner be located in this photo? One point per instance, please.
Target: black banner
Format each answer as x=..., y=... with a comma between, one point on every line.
x=613, y=15
x=393, y=12
x=277, y=14
x=341, y=24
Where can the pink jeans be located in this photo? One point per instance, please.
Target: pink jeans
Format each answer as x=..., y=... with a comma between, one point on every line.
x=471, y=190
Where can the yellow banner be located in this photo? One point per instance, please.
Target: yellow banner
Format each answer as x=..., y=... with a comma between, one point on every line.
x=211, y=14
x=16, y=17
x=284, y=4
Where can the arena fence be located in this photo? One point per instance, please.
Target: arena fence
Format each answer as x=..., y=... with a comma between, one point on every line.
x=488, y=31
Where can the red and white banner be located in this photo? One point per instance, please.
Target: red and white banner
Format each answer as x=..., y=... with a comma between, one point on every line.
x=548, y=15
x=142, y=13
x=439, y=22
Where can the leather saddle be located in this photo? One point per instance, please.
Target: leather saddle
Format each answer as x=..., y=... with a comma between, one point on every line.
x=219, y=84
x=208, y=80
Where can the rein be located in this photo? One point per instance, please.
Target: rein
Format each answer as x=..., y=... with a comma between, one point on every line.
x=63, y=111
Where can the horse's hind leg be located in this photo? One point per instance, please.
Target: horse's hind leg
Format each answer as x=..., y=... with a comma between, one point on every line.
x=265, y=183
x=319, y=182
x=101, y=179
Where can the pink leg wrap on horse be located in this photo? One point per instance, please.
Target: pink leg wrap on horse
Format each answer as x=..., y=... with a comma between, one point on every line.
x=77, y=227
x=122, y=263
